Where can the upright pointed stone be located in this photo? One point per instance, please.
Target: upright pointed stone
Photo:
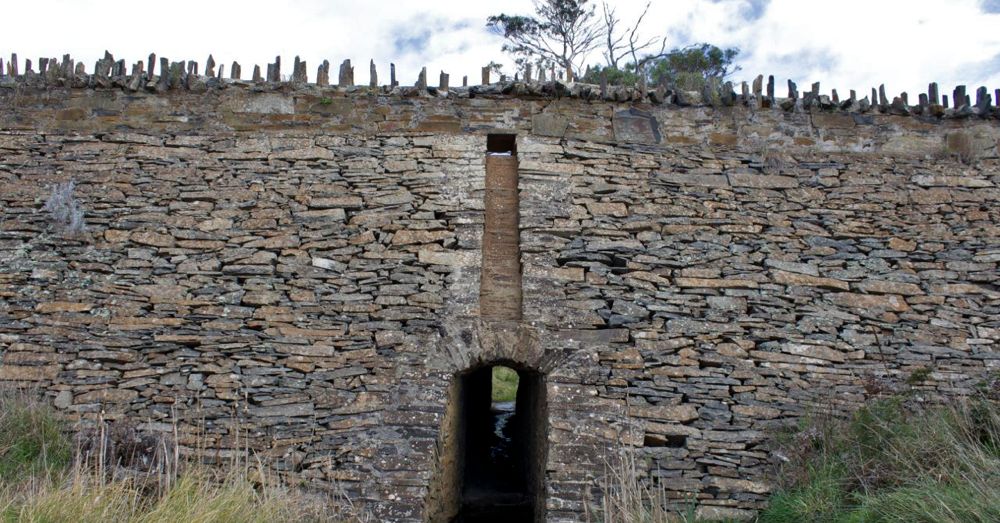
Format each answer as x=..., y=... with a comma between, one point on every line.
x=299, y=74
x=274, y=70
x=176, y=75
x=222, y=72
x=52, y=74
x=346, y=77
x=982, y=100
x=883, y=101
x=422, y=79
x=465, y=81
x=793, y=91
x=164, y=83
x=12, y=65
x=392, y=75
x=235, y=71
x=836, y=97
x=372, y=74
x=899, y=106
x=102, y=70
x=136, y=79
x=256, y=73
x=770, y=87
x=486, y=75
x=541, y=74
x=443, y=82
x=66, y=68
x=210, y=66
x=151, y=66
x=3, y=72
x=944, y=100
x=527, y=73
x=874, y=96
x=852, y=101
x=323, y=73
x=958, y=96
x=43, y=66
x=933, y=94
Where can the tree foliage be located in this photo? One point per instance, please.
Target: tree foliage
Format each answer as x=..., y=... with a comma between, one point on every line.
x=561, y=33
x=689, y=67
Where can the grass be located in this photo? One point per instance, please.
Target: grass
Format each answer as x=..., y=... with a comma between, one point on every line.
x=626, y=498
x=894, y=461
x=504, y=384
x=32, y=441
x=47, y=478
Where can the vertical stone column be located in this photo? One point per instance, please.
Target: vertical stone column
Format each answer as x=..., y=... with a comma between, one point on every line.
x=500, y=282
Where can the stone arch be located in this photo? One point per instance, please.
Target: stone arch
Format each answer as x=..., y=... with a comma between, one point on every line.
x=466, y=477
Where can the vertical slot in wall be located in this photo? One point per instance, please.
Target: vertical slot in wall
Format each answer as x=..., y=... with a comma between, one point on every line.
x=500, y=280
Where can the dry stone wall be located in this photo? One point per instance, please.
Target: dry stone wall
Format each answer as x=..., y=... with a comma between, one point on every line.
x=296, y=269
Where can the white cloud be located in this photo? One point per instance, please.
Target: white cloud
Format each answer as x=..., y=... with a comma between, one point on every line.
x=848, y=44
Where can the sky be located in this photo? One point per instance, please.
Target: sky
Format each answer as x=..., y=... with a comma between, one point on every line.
x=847, y=44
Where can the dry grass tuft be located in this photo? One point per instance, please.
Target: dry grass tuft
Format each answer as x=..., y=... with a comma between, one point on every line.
x=117, y=474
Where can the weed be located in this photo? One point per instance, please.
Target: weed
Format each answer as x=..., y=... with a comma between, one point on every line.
x=919, y=375
x=67, y=215
x=325, y=100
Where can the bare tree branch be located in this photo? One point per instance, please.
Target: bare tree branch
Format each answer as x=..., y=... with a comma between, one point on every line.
x=614, y=43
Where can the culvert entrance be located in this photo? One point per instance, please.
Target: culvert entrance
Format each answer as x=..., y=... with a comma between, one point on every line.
x=501, y=413
x=491, y=455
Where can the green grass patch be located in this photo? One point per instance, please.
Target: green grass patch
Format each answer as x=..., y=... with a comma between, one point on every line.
x=504, y=384
x=32, y=439
x=893, y=461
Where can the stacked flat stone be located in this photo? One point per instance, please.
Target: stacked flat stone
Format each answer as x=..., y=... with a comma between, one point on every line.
x=297, y=271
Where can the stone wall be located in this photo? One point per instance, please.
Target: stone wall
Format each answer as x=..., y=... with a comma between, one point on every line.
x=296, y=269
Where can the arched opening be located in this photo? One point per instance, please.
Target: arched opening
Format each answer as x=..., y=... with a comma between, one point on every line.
x=500, y=423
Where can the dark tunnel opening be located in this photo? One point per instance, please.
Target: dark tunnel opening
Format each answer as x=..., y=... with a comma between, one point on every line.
x=504, y=445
